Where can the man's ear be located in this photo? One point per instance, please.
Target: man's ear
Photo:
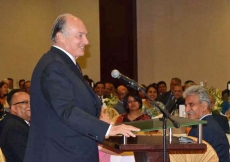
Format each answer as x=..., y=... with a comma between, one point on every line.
x=60, y=36
x=204, y=106
x=13, y=109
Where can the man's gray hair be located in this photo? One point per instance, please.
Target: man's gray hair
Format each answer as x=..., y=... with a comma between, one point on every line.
x=199, y=91
x=58, y=26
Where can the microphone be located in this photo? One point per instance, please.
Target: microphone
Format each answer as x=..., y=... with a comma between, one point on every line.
x=131, y=83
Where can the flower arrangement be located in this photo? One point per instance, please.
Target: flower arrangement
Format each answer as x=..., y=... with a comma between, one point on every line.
x=111, y=101
x=216, y=94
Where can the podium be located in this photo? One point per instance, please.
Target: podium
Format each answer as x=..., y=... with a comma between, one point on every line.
x=150, y=148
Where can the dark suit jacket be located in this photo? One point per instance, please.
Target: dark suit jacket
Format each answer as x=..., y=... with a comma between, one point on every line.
x=215, y=136
x=119, y=107
x=64, y=113
x=175, y=105
x=165, y=97
x=13, y=139
x=222, y=121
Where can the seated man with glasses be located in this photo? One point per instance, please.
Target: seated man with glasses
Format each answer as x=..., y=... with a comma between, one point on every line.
x=14, y=128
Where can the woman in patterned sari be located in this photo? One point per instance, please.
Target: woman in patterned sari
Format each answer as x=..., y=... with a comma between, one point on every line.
x=148, y=108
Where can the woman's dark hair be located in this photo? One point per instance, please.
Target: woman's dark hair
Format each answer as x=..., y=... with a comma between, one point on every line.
x=136, y=98
x=154, y=85
x=2, y=83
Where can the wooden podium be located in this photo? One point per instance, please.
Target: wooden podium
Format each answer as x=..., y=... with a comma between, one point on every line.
x=150, y=148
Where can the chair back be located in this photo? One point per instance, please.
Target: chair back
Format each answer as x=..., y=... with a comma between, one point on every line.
x=111, y=112
x=209, y=155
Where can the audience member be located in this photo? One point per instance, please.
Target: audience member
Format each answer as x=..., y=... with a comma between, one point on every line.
x=109, y=89
x=121, y=92
x=177, y=99
x=132, y=103
x=11, y=83
x=197, y=106
x=26, y=87
x=99, y=89
x=20, y=83
x=161, y=87
x=168, y=96
x=190, y=82
x=88, y=80
x=148, y=107
x=15, y=126
x=220, y=119
x=225, y=98
x=3, y=93
x=141, y=94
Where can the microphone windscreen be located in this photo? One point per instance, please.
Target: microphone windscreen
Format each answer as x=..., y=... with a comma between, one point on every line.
x=115, y=73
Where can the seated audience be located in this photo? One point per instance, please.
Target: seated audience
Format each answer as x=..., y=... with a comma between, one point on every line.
x=15, y=126
x=197, y=106
x=177, y=99
x=132, y=103
x=149, y=108
x=121, y=92
x=3, y=93
x=220, y=119
x=20, y=83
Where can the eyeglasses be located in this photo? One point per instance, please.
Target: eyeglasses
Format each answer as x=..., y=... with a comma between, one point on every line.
x=22, y=102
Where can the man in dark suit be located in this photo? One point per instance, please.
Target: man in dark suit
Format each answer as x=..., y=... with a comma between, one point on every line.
x=168, y=96
x=197, y=106
x=177, y=100
x=64, y=108
x=15, y=126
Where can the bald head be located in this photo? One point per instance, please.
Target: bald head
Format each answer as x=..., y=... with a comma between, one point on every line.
x=121, y=92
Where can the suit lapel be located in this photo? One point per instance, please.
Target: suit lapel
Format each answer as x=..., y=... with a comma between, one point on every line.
x=74, y=68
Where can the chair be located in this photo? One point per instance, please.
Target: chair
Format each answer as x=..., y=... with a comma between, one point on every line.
x=2, y=157
x=209, y=155
x=111, y=112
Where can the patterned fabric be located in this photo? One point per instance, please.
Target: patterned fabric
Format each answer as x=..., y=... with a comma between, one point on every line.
x=153, y=110
x=124, y=118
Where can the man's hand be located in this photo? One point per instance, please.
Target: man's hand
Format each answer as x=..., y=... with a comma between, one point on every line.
x=123, y=129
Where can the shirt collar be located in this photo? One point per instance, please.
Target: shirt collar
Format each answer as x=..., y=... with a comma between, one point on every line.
x=27, y=122
x=204, y=116
x=68, y=54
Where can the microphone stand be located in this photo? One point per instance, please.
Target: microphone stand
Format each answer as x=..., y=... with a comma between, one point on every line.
x=166, y=116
